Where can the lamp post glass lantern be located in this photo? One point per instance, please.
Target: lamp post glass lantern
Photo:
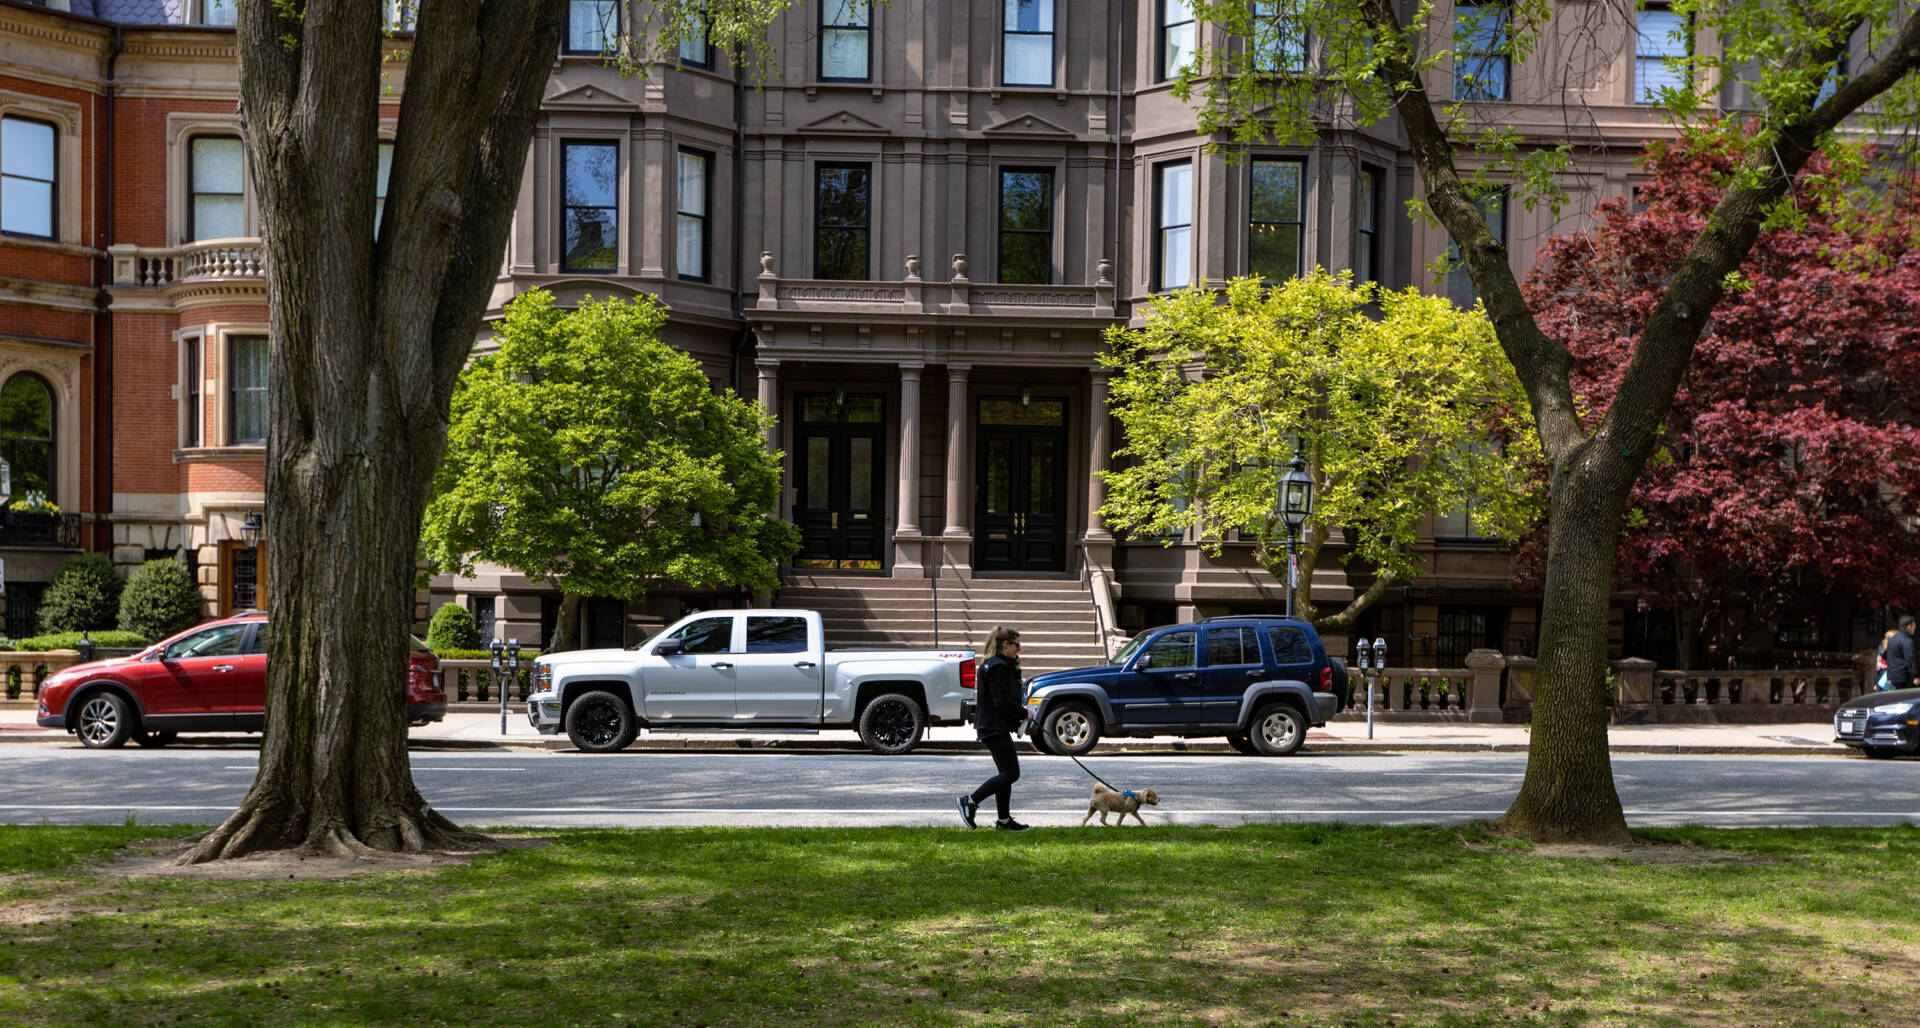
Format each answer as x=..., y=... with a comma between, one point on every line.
x=1295, y=503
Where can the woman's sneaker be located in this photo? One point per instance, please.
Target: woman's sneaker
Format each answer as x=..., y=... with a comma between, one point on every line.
x=967, y=810
x=1007, y=824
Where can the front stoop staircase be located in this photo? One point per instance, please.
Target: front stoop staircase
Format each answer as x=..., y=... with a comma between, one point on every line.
x=1055, y=617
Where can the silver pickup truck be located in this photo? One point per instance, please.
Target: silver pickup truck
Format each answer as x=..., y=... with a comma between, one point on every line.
x=749, y=671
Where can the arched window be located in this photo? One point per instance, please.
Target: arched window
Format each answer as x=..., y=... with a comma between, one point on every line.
x=26, y=433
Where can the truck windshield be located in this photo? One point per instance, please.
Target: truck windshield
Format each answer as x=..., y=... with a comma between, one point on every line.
x=1132, y=647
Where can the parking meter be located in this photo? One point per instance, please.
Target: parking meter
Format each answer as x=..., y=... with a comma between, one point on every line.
x=513, y=675
x=493, y=675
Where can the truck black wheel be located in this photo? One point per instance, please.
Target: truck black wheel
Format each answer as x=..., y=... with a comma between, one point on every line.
x=106, y=720
x=1241, y=744
x=892, y=724
x=600, y=722
x=1073, y=728
x=1277, y=730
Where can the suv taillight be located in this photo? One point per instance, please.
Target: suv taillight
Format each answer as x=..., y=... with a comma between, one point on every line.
x=1326, y=678
x=967, y=672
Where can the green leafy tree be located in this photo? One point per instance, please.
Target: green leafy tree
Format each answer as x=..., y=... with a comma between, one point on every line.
x=1401, y=413
x=84, y=595
x=587, y=453
x=453, y=628
x=1782, y=62
x=161, y=599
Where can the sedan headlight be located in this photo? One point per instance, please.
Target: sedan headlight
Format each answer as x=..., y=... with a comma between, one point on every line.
x=1894, y=709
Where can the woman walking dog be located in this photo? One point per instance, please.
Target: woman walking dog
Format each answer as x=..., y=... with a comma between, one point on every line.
x=999, y=715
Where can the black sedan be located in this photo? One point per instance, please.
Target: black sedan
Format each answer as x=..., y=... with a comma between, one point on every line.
x=1881, y=724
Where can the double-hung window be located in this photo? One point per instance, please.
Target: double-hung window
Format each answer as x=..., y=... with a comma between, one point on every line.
x=247, y=389
x=1173, y=226
x=1176, y=38
x=26, y=177
x=846, y=40
x=1366, y=226
x=1460, y=287
x=217, y=179
x=694, y=198
x=843, y=217
x=219, y=12
x=1279, y=37
x=590, y=195
x=1026, y=225
x=592, y=26
x=1276, y=233
x=1661, y=48
x=1482, y=49
x=1027, y=43
x=694, y=49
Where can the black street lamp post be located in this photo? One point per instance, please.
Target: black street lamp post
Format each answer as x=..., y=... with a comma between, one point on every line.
x=1295, y=502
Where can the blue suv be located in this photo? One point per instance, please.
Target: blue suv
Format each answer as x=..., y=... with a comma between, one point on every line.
x=1259, y=681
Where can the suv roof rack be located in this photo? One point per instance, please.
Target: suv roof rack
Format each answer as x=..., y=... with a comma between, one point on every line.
x=1253, y=617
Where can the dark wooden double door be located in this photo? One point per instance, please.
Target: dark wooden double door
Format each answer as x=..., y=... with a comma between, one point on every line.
x=1021, y=468
x=839, y=494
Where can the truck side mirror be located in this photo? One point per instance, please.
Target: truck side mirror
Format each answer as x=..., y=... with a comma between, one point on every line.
x=669, y=646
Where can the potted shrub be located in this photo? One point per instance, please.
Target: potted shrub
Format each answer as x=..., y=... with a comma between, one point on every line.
x=1425, y=688
x=32, y=519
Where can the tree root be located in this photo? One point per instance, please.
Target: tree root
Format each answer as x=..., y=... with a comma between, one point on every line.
x=263, y=827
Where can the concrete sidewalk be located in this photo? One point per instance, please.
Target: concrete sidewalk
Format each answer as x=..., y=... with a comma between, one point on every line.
x=470, y=726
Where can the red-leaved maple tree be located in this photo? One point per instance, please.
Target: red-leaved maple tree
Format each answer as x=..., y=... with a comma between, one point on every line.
x=1788, y=489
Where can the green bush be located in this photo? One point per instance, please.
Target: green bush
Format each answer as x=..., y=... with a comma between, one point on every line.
x=161, y=599
x=452, y=628
x=84, y=595
x=527, y=654
x=109, y=638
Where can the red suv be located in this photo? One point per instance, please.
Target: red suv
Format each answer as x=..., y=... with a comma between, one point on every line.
x=211, y=678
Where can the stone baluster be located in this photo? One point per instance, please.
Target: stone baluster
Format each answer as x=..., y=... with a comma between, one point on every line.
x=769, y=283
x=1481, y=698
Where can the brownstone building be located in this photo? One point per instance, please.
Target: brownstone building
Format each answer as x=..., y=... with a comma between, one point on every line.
x=907, y=245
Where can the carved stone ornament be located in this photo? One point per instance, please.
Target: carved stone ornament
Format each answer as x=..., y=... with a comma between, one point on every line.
x=1104, y=271
x=959, y=265
x=913, y=266
x=766, y=262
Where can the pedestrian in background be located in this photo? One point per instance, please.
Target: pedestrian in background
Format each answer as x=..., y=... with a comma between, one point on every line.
x=1901, y=670
x=1880, y=682
x=997, y=716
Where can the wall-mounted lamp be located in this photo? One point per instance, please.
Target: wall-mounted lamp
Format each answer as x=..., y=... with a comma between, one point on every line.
x=1026, y=397
x=252, y=528
x=839, y=398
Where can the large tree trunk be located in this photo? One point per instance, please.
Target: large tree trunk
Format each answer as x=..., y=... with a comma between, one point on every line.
x=367, y=341
x=1568, y=792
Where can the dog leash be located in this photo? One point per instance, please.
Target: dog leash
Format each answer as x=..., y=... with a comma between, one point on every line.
x=1042, y=729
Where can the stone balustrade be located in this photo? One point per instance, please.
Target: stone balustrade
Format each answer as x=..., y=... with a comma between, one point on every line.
x=207, y=260
x=957, y=294
x=1496, y=687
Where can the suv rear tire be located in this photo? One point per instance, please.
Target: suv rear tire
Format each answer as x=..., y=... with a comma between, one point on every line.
x=1277, y=730
x=892, y=724
x=600, y=722
x=1072, y=728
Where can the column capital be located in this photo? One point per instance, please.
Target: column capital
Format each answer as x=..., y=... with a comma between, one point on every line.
x=959, y=370
x=911, y=370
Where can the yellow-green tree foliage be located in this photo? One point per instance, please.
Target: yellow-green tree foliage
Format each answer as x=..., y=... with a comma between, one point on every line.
x=1403, y=406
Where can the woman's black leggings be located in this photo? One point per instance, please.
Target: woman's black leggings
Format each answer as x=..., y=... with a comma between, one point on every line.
x=1005, y=761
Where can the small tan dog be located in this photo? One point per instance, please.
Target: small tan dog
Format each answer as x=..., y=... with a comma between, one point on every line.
x=1107, y=801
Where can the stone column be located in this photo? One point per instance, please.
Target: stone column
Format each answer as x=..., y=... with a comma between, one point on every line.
x=956, y=540
x=769, y=370
x=909, y=546
x=1484, y=668
x=1099, y=453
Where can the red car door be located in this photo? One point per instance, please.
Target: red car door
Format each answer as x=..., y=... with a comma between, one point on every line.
x=249, y=681
x=197, y=675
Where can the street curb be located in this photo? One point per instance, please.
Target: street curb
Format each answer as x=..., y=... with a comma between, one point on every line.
x=1175, y=748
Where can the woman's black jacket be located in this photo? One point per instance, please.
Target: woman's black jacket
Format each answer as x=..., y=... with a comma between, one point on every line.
x=1000, y=708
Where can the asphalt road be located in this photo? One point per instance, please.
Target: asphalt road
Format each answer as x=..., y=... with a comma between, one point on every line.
x=200, y=785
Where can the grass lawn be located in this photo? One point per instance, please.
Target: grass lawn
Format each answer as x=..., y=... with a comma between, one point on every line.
x=1285, y=925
